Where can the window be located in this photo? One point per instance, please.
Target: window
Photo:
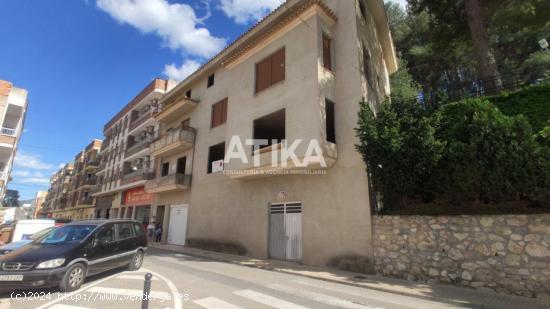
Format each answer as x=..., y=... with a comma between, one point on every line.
x=219, y=113
x=362, y=9
x=180, y=167
x=270, y=128
x=270, y=70
x=215, y=153
x=210, y=82
x=327, y=55
x=330, y=122
x=165, y=168
x=138, y=229
x=106, y=233
x=124, y=231
x=188, y=93
x=366, y=67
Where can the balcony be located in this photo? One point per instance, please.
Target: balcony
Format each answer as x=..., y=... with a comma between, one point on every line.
x=91, y=164
x=86, y=201
x=168, y=183
x=8, y=136
x=137, y=176
x=173, y=142
x=140, y=120
x=173, y=110
x=138, y=146
x=89, y=182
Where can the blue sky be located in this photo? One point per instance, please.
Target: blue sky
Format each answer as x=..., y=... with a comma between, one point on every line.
x=81, y=61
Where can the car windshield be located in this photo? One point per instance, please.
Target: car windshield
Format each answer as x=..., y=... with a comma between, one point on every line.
x=67, y=233
x=41, y=233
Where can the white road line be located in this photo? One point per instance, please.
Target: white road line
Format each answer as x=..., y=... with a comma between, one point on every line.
x=320, y=298
x=384, y=297
x=215, y=303
x=84, y=287
x=61, y=306
x=267, y=300
x=136, y=277
x=128, y=292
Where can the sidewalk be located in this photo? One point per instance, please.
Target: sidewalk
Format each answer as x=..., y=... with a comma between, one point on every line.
x=460, y=297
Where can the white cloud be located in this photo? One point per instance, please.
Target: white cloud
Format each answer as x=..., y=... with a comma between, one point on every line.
x=35, y=180
x=179, y=74
x=177, y=24
x=245, y=11
x=31, y=161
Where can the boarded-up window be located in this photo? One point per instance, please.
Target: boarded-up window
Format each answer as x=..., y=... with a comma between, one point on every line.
x=270, y=70
x=327, y=55
x=219, y=113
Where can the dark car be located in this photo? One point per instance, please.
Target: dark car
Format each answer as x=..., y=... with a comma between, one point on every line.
x=66, y=255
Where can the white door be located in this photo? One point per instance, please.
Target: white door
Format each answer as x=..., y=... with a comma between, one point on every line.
x=177, y=226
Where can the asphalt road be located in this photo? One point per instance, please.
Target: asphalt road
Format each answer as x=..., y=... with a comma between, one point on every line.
x=181, y=281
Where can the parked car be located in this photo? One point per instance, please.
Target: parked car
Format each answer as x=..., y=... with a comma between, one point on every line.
x=24, y=229
x=5, y=249
x=66, y=255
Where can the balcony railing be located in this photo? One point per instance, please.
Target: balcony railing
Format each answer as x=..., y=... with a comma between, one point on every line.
x=183, y=136
x=8, y=131
x=138, y=146
x=94, y=162
x=89, y=182
x=169, y=182
x=141, y=119
x=86, y=201
x=137, y=176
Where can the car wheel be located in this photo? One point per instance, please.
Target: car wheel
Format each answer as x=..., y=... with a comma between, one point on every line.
x=137, y=261
x=73, y=278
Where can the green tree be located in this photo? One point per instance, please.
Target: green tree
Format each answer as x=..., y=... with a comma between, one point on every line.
x=399, y=148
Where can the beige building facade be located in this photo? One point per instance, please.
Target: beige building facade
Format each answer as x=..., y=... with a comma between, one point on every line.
x=57, y=198
x=297, y=76
x=13, y=108
x=126, y=164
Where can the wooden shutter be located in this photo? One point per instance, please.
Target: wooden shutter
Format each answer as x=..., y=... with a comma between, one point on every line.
x=327, y=57
x=263, y=74
x=219, y=113
x=278, y=66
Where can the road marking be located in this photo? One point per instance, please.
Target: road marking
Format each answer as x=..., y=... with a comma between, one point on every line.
x=135, y=277
x=61, y=306
x=132, y=293
x=384, y=297
x=268, y=300
x=176, y=297
x=320, y=298
x=215, y=303
x=84, y=287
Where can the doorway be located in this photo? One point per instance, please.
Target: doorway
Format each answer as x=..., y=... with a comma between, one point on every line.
x=285, y=231
x=177, y=226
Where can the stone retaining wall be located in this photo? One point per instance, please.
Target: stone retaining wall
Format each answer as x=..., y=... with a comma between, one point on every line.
x=506, y=253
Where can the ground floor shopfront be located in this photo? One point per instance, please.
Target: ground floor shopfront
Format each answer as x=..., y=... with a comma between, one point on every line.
x=170, y=211
x=75, y=213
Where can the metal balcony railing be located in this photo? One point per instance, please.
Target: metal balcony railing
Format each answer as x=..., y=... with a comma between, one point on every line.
x=141, y=119
x=168, y=180
x=8, y=131
x=138, y=146
x=86, y=201
x=143, y=174
x=186, y=134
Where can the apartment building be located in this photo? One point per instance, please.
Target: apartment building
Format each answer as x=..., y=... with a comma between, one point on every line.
x=57, y=200
x=126, y=163
x=13, y=108
x=39, y=201
x=82, y=184
x=293, y=82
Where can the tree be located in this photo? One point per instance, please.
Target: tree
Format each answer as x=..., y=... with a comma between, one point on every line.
x=11, y=199
x=399, y=148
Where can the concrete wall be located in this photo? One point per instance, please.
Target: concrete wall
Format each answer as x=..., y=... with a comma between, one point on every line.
x=506, y=253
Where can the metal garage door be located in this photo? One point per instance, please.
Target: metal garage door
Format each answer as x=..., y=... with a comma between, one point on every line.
x=285, y=231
